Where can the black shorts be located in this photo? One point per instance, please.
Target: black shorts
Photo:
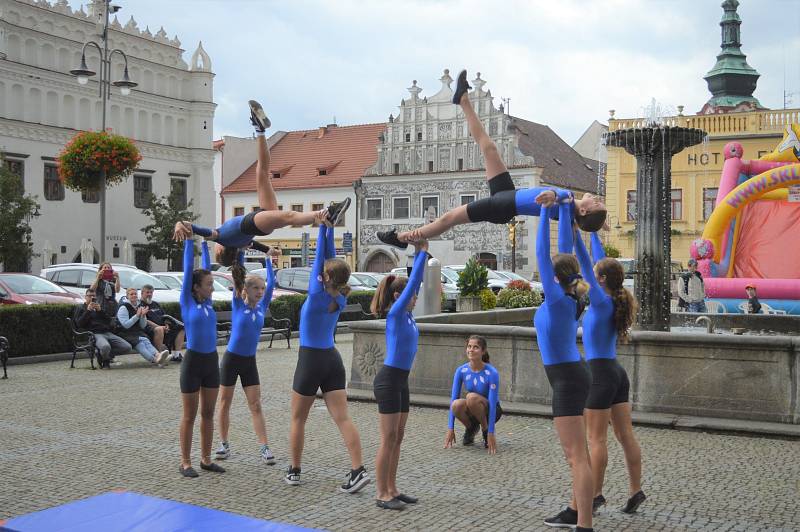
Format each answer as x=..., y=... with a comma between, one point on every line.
x=570, y=382
x=391, y=390
x=501, y=205
x=233, y=366
x=610, y=384
x=248, y=225
x=199, y=370
x=319, y=369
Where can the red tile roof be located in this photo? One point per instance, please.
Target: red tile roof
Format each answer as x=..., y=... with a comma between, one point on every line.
x=218, y=144
x=344, y=152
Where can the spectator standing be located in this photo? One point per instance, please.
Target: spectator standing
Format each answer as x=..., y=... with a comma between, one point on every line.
x=106, y=286
x=91, y=317
x=132, y=320
x=692, y=290
x=753, y=305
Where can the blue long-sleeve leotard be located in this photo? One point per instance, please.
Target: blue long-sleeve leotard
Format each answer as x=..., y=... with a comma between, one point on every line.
x=525, y=200
x=199, y=318
x=317, y=323
x=484, y=382
x=247, y=321
x=599, y=332
x=402, y=335
x=555, y=321
x=229, y=234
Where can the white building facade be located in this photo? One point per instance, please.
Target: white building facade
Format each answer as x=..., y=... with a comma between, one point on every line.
x=169, y=115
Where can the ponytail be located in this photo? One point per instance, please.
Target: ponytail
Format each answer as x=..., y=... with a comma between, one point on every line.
x=624, y=312
x=238, y=272
x=384, y=294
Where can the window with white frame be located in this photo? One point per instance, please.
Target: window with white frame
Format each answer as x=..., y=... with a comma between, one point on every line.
x=400, y=207
x=374, y=208
x=467, y=198
x=430, y=206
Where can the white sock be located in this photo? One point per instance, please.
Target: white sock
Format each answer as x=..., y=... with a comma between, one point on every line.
x=260, y=133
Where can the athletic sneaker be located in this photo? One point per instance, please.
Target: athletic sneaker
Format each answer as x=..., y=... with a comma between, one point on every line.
x=162, y=358
x=597, y=502
x=292, y=476
x=223, y=452
x=258, y=117
x=266, y=455
x=336, y=211
x=461, y=87
x=177, y=356
x=472, y=430
x=355, y=480
x=633, y=503
x=390, y=238
x=567, y=518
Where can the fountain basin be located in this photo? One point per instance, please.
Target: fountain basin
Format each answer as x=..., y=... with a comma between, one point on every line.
x=693, y=373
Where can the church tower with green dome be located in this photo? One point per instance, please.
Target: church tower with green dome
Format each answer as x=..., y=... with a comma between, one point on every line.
x=732, y=81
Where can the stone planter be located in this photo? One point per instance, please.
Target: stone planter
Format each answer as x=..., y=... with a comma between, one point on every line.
x=468, y=304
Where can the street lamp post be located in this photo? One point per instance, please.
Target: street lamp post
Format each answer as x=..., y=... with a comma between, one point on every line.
x=125, y=85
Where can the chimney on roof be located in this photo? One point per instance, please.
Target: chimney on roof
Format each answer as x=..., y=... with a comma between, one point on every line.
x=321, y=132
x=329, y=126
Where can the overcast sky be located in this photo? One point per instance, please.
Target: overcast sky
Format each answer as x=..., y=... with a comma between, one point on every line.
x=563, y=63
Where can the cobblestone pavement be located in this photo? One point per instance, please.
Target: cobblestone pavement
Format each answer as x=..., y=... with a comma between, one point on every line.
x=69, y=434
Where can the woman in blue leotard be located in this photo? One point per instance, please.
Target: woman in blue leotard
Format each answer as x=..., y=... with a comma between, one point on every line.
x=199, y=371
x=556, y=323
x=251, y=299
x=608, y=318
x=237, y=232
x=481, y=406
x=394, y=300
x=319, y=364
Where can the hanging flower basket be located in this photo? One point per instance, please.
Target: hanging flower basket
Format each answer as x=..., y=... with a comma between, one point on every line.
x=84, y=158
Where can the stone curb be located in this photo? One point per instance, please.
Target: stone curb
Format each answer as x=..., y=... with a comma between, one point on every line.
x=654, y=419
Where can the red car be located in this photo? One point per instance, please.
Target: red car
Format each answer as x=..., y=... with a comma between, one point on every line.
x=27, y=289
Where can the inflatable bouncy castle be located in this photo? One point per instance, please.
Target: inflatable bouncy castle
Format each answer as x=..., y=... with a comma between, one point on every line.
x=753, y=235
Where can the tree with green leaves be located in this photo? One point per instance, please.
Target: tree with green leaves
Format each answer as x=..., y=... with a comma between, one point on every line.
x=16, y=210
x=165, y=212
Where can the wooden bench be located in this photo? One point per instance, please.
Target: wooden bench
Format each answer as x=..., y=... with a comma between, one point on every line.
x=353, y=308
x=4, y=349
x=272, y=326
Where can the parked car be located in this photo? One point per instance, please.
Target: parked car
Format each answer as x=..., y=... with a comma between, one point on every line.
x=496, y=282
x=77, y=277
x=371, y=279
x=174, y=280
x=27, y=289
x=226, y=280
x=296, y=279
x=514, y=276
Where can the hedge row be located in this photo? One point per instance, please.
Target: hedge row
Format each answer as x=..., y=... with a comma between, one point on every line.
x=43, y=329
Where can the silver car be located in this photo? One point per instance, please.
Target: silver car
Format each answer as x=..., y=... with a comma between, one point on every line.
x=77, y=277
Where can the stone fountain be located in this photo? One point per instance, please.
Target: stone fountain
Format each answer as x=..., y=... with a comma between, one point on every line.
x=653, y=144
